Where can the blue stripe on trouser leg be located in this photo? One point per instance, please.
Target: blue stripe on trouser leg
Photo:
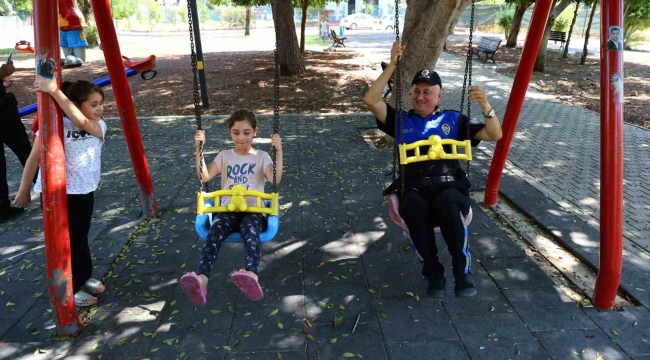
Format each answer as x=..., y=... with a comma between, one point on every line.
x=468, y=257
x=223, y=225
x=250, y=228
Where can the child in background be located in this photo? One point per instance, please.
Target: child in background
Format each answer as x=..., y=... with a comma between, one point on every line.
x=83, y=134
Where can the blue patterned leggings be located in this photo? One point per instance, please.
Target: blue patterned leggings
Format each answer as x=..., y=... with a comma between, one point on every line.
x=250, y=226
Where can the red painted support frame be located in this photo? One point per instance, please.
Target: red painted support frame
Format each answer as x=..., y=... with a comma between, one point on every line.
x=122, y=92
x=611, y=158
x=55, y=203
x=516, y=101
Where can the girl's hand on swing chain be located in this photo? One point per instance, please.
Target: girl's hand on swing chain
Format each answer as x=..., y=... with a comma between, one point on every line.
x=199, y=138
x=276, y=142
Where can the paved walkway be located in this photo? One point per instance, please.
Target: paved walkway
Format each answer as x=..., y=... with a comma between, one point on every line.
x=336, y=257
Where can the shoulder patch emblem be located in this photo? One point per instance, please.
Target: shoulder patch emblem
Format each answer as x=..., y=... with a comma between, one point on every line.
x=446, y=129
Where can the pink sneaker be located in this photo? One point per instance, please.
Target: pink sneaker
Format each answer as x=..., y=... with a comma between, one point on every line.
x=191, y=283
x=248, y=284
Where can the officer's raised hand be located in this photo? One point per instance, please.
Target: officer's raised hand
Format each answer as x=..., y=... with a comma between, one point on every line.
x=396, y=51
x=477, y=95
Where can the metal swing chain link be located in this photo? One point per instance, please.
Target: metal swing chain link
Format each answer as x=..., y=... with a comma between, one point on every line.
x=195, y=90
x=276, y=92
x=467, y=82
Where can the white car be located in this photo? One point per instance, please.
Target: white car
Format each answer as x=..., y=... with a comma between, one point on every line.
x=356, y=21
x=388, y=23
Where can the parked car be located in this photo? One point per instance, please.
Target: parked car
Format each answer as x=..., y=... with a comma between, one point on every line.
x=356, y=21
x=388, y=23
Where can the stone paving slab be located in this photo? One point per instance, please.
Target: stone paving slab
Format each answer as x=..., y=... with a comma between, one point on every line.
x=498, y=336
x=631, y=325
x=579, y=344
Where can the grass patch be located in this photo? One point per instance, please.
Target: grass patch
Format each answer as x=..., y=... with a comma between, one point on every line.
x=315, y=40
x=16, y=56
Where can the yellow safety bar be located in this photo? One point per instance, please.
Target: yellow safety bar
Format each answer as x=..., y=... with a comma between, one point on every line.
x=237, y=201
x=436, y=152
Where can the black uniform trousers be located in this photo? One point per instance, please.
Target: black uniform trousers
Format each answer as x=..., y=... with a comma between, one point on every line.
x=424, y=207
x=12, y=133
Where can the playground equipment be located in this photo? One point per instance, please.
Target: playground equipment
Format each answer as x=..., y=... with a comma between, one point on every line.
x=55, y=212
x=144, y=67
x=611, y=145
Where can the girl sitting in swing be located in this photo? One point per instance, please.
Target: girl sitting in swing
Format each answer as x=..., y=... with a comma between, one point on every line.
x=241, y=165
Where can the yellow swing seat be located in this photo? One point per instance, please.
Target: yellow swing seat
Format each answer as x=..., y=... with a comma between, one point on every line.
x=265, y=204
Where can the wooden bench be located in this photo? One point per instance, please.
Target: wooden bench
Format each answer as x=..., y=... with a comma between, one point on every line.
x=558, y=36
x=337, y=40
x=390, y=81
x=488, y=46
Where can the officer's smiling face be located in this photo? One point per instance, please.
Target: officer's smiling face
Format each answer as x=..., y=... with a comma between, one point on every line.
x=424, y=98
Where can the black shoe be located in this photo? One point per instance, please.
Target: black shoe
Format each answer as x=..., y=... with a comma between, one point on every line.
x=9, y=212
x=437, y=286
x=465, y=286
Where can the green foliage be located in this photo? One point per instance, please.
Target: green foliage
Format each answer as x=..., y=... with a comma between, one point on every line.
x=123, y=9
x=236, y=17
x=155, y=12
x=19, y=5
x=505, y=16
x=92, y=36
x=563, y=21
x=369, y=8
x=636, y=17
x=204, y=11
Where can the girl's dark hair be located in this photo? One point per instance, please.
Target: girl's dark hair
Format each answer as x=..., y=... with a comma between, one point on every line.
x=79, y=91
x=241, y=115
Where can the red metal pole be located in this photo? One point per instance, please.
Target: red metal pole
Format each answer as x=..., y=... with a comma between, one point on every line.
x=122, y=92
x=516, y=101
x=611, y=153
x=55, y=203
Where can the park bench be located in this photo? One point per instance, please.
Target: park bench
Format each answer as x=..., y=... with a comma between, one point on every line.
x=337, y=40
x=558, y=36
x=488, y=46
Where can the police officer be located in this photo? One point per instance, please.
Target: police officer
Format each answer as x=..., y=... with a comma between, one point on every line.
x=14, y=136
x=435, y=192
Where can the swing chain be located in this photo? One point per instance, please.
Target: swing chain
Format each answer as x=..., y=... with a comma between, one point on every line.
x=195, y=89
x=276, y=91
x=467, y=82
x=398, y=106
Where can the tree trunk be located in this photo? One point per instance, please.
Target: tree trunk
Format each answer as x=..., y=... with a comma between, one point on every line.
x=568, y=38
x=516, y=24
x=425, y=38
x=86, y=8
x=247, y=30
x=591, y=18
x=285, y=31
x=540, y=62
x=303, y=23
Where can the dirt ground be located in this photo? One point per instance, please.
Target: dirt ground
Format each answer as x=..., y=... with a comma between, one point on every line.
x=577, y=84
x=334, y=82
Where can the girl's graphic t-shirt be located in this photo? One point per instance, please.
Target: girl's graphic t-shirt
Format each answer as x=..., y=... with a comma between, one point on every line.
x=83, y=159
x=246, y=170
